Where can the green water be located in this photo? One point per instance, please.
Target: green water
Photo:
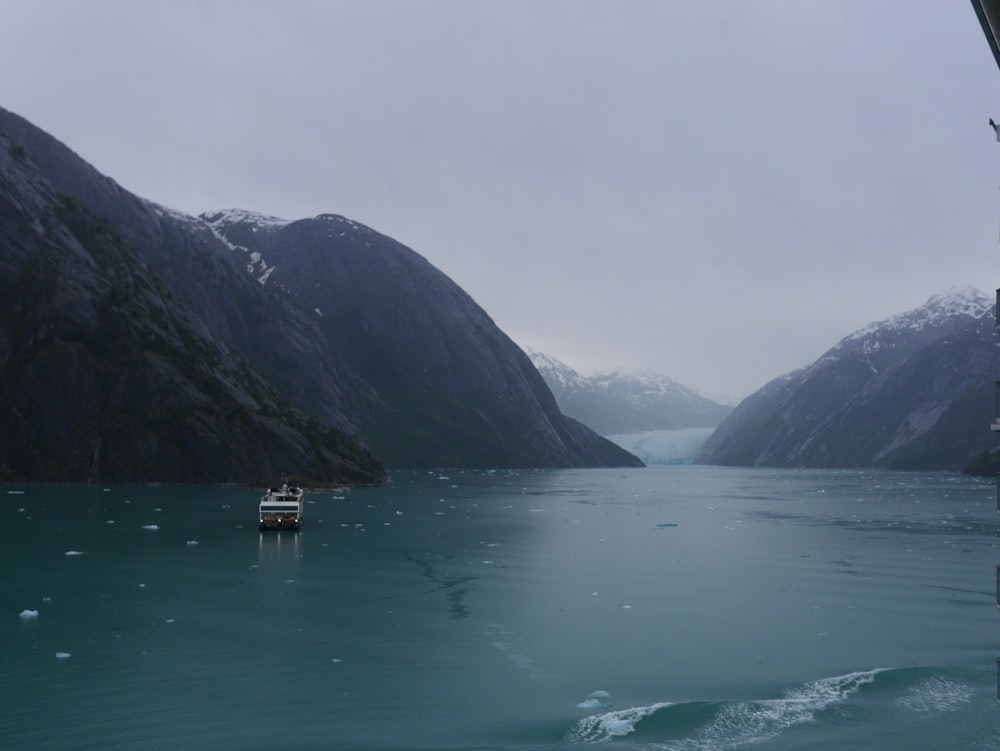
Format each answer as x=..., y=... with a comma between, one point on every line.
x=662, y=608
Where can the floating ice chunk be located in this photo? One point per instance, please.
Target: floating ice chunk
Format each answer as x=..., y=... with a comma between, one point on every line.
x=74, y=552
x=142, y=586
x=15, y=492
x=29, y=615
x=151, y=527
x=626, y=607
x=597, y=700
x=21, y=510
x=192, y=542
x=110, y=521
x=63, y=655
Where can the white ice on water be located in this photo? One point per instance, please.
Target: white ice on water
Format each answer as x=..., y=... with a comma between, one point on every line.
x=27, y=615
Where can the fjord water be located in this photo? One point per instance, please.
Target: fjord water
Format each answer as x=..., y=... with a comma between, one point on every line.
x=683, y=607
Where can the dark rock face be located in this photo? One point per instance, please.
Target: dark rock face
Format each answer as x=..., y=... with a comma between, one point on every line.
x=913, y=392
x=261, y=324
x=105, y=376
x=247, y=359
x=627, y=402
x=451, y=388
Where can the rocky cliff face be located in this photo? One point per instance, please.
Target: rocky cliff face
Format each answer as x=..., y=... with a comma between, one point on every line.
x=106, y=376
x=627, y=402
x=452, y=389
x=915, y=391
x=384, y=348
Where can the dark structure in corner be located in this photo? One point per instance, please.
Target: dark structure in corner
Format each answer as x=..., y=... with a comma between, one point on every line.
x=988, y=12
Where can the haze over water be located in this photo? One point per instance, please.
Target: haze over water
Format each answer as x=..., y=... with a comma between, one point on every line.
x=672, y=607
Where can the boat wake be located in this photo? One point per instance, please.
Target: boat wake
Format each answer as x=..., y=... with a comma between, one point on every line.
x=716, y=726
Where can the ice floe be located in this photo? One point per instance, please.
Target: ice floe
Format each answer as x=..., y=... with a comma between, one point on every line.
x=29, y=615
x=599, y=699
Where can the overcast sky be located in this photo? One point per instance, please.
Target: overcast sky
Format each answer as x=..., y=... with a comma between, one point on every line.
x=719, y=191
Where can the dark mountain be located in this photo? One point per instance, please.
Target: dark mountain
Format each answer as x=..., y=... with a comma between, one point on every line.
x=385, y=348
x=262, y=324
x=453, y=390
x=627, y=402
x=106, y=376
x=915, y=391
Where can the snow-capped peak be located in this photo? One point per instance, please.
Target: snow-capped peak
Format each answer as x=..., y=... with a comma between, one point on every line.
x=223, y=217
x=965, y=300
x=957, y=301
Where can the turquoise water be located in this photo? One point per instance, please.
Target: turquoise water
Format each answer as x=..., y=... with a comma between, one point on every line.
x=681, y=607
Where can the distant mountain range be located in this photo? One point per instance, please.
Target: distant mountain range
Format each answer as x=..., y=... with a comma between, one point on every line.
x=915, y=391
x=626, y=401
x=140, y=344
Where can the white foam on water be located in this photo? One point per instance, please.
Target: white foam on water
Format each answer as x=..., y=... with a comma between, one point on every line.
x=28, y=615
x=741, y=724
x=603, y=727
x=736, y=725
x=936, y=694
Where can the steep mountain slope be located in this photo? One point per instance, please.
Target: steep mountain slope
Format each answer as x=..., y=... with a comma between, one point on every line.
x=912, y=392
x=453, y=390
x=262, y=324
x=386, y=348
x=626, y=402
x=104, y=376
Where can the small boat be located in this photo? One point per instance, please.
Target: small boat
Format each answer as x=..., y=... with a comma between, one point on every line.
x=281, y=508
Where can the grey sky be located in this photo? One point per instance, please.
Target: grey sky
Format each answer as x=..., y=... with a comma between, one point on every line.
x=717, y=191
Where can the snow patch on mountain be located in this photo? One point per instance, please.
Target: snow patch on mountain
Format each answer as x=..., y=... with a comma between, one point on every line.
x=224, y=217
x=217, y=221
x=939, y=309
